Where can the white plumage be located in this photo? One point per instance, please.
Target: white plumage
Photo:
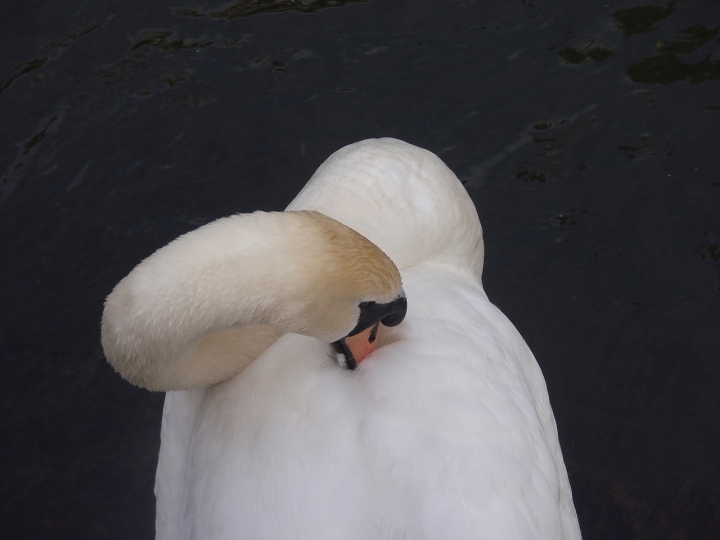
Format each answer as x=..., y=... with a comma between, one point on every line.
x=445, y=432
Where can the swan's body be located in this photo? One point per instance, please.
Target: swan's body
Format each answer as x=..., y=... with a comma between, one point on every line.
x=445, y=432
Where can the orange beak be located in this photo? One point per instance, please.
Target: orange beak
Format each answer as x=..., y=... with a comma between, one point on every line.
x=364, y=343
x=355, y=349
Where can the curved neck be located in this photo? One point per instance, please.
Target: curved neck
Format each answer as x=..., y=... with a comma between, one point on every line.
x=199, y=310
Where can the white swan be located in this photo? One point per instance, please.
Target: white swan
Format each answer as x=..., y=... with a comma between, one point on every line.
x=444, y=432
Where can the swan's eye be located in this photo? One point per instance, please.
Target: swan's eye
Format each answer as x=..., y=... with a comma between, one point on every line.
x=365, y=304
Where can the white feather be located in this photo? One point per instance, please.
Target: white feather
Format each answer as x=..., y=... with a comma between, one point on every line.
x=444, y=432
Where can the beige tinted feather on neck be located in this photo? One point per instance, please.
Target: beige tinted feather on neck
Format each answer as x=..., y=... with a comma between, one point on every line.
x=201, y=309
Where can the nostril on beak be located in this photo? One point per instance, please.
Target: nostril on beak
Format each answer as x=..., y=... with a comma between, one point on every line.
x=373, y=333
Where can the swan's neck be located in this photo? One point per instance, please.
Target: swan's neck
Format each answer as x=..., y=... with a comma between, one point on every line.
x=199, y=310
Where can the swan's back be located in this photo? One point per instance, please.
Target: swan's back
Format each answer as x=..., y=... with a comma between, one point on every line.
x=444, y=432
x=401, y=197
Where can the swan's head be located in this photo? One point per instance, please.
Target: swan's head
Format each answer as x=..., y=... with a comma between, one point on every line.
x=358, y=344
x=199, y=310
x=347, y=286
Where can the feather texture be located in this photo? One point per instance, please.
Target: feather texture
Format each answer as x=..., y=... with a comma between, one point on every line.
x=445, y=432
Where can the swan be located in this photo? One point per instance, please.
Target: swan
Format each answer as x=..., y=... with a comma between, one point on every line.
x=336, y=371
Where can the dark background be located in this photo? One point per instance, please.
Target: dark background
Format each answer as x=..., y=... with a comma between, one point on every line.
x=587, y=133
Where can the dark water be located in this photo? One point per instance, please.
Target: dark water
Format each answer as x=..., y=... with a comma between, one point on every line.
x=587, y=133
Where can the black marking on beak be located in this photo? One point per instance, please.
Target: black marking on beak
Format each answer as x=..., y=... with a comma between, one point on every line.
x=390, y=314
x=344, y=351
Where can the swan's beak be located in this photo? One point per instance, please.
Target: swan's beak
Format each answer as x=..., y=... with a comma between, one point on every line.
x=362, y=340
x=352, y=350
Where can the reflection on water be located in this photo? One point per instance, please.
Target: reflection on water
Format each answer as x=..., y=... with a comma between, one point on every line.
x=667, y=68
x=22, y=69
x=247, y=8
x=586, y=135
x=587, y=51
x=641, y=19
